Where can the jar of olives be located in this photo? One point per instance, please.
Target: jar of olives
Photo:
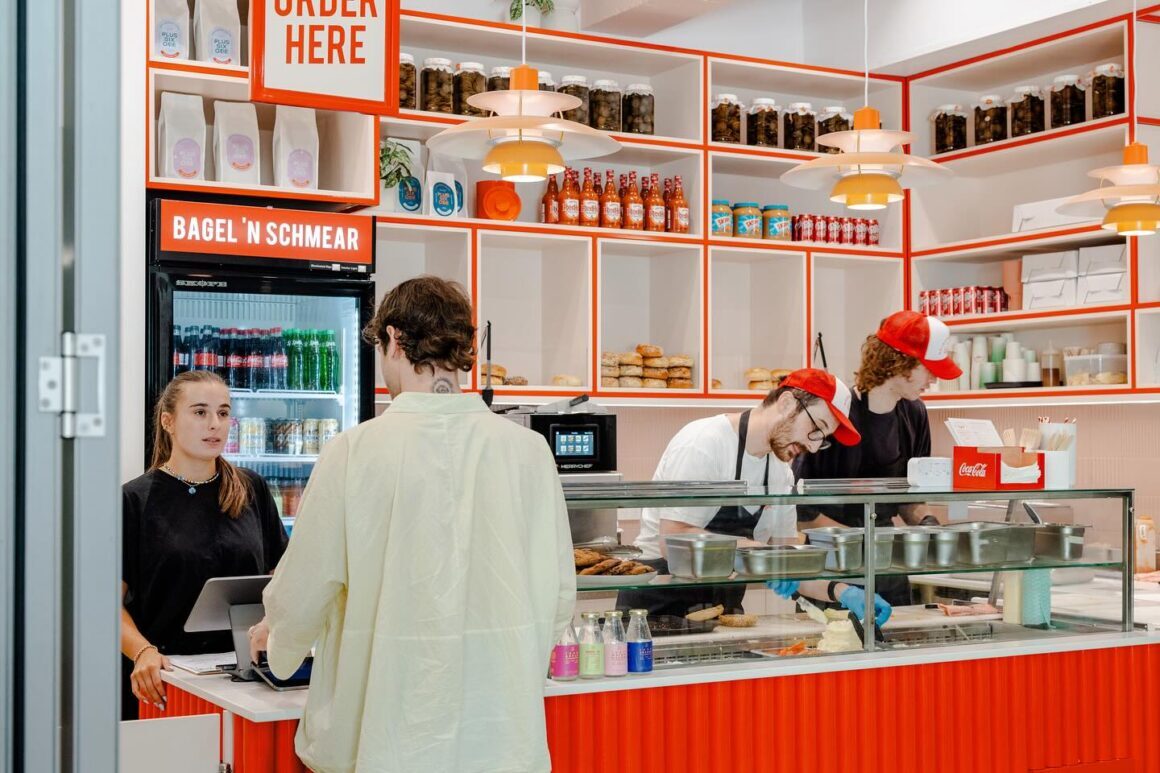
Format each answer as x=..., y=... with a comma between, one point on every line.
x=833, y=119
x=637, y=109
x=950, y=128
x=990, y=119
x=1028, y=111
x=469, y=81
x=1107, y=85
x=407, y=93
x=576, y=86
x=1067, y=101
x=604, y=106
x=437, y=85
x=500, y=79
x=727, y=118
x=546, y=82
x=761, y=123
x=800, y=127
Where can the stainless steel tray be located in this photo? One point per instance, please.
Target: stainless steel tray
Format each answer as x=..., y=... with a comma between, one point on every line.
x=781, y=561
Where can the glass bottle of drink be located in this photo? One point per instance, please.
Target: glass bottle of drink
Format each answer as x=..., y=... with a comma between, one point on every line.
x=632, y=206
x=251, y=358
x=589, y=203
x=325, y=382
x=565, y=665
x=640, y=645
x=550, y=204
x=278, y=360
x=312, y=361
x=623, y=189
x=655, y=204
x=176, y=345
x=591, y=647
x=294, y=359
x=668, y=197
x=609, y=204
x=569, y=201
x=267, y=349
x=596, y=185
x=219, y=364
x=615, y=646
x=334, y=361
x=645, y=190
x=679, y=206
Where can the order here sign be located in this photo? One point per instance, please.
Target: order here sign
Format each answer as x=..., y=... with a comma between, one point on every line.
x=290, y=234
x=329, y=54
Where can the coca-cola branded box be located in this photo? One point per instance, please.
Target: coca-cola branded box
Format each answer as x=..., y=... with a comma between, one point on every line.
x=997, y=469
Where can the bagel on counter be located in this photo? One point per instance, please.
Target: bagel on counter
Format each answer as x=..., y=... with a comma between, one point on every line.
x=648, y=350
x=566, y=380
x=680, y=372
x=763, y=386
x=656, y=372
x=631, y=370
x=655, y=383
x=609, y=381
x=680, y=383
x=717, y=384
x=630, y=381
x=757, y=374
x=609, y=359
x=738, y=621
x=656, y=362
x=703, y=615
x=630, y=358
x=680, y=361
x=516, y=381
x=610, y=371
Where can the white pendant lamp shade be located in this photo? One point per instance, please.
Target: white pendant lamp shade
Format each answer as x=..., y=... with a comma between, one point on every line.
x=524, y=102
x=1128, y=198
x=475, y=139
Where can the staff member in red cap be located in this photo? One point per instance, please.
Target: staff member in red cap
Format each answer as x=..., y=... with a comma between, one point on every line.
x=906, y=355
x=757, y=446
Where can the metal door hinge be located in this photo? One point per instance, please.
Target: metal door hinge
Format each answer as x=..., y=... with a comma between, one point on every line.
x=60, y=389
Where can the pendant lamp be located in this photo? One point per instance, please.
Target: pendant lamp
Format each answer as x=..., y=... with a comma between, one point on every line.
x=871, y=169
x=526, y=139
x=1128, y=198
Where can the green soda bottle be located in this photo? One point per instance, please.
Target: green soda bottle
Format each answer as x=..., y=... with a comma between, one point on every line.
x=294, y=357
x=325, y=375
x=335, y=361
x=312, y=372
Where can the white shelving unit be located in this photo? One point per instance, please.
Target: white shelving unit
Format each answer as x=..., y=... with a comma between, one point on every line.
x=850, y=297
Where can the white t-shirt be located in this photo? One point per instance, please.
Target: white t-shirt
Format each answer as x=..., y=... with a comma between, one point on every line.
x=706, y=449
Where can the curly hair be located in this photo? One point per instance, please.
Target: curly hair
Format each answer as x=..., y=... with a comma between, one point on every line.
x=880, y=363
x=434, y=322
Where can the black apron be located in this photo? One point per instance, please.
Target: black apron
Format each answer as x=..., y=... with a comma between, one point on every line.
x=735, y=521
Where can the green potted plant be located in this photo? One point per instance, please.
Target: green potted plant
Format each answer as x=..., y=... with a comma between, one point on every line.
x=394, y=168
x=534, y=9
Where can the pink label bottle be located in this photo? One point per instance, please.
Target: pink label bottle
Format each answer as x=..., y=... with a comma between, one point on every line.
x=565, y=665
x=615, y=645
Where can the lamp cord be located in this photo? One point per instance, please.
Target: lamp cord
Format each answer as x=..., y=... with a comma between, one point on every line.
x=1135, y=81
x=866, y=50
x=524, y=33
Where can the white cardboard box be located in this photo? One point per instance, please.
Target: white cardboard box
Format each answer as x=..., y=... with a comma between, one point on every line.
x=1034, y=215
x=1050, y=265
x=1051, y=294
x=1101, y=289
x=1108, y=259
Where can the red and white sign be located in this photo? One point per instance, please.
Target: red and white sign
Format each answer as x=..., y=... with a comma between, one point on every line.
x=331, y=54
x=288, y=234
x=980, y=469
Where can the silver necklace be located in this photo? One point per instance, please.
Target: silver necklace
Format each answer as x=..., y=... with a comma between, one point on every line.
x=193, y=484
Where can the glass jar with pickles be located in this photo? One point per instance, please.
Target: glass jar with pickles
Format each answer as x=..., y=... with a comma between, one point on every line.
x=469, y=81
x=761, y=123
x=546, y=82
x=1067, y=101
x=1028, y=111
x=800, y=127
x=990, y=119
x=604, y=106
x=437, y=85
x=408, y=96
x=950, y=128
x=727, y=118
x=500, y=79
x=576, y=86
x=1107, y=86
x=638, y=109
x=833, y=119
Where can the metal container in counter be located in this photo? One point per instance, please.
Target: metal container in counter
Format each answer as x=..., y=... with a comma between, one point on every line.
x=1060, y=541
x=846, y=542
x=700, y=556
x=980, y=543
x=911, y=547
x=943, y=550
x=1021, y=541
x=781, y=560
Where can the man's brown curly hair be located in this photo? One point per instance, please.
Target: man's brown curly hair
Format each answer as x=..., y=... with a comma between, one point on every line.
x=880, y=363
x=434, y=321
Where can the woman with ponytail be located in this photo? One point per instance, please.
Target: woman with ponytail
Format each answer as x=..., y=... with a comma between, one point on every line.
x=193, y=516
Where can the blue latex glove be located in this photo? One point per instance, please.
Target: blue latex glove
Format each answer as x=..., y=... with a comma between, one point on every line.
x=783, y=588
x=854, y=599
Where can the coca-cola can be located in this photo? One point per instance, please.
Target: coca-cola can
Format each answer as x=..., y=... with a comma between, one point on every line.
x=945, y=305
x=821, y=228
x=847, y=230
x=805, y=228
x=956, y=301
x=968, y=300
x=861, y=231
x=875, y=233
x=924, y=302
x=834, y=229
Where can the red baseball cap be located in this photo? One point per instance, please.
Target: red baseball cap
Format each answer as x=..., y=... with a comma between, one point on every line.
x=835, y=394
x=927, y=339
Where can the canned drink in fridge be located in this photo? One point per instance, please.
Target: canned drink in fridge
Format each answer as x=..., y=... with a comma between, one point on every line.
x=310, y=432
x=861, y=231
x=233, y=439
x=847, y=230
x=874, y=233
x=327, y=429
x=292, y=436
x=834, y=230
x=252, y=437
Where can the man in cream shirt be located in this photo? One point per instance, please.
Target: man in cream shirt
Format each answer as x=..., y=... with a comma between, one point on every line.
x=431, y=565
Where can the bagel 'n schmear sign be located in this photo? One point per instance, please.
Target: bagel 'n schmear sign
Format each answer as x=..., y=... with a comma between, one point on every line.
x=330, y=54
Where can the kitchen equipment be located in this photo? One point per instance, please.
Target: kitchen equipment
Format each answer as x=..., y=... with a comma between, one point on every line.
x=812, y=611
x=1021, y=542
x=980, y=543
x=911, y=547
x=581, y=434
x=943, y=547
x=845, y=543
x=701, y=556
x=781, y=560
x=595, y=528
x=1060, y=542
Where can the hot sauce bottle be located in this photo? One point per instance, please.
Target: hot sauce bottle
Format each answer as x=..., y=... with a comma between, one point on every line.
x=632, y=206
x=569, y=200
x=550, y=205
x=668, y=200
x=589, y=202
x=679, y=208
x=655, y=207
x=610, y=215
x=623, y=189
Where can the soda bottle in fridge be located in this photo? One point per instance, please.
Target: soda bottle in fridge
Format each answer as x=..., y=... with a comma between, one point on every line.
x=176, y=351
x=254, y=358
x=293, y=359
x=265, y=357
x=278, y=360
x=325, y=375
x=219, y=365
x=234, y=362
x=334, y=361
x=312, y=362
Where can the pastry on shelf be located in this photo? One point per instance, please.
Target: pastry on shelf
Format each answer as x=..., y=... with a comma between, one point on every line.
x=649, y=350
x=630, y=358
x=566, y=380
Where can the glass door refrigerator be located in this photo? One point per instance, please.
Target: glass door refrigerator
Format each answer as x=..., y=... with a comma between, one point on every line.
x=286, y=338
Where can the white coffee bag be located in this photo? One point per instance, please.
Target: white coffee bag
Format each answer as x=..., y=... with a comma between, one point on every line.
x=171, y=29
x=295, y=148
x=217, y=31
x=181, y=137
x=237, y=154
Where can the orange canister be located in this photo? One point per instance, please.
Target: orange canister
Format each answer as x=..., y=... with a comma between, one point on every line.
x=496, y=200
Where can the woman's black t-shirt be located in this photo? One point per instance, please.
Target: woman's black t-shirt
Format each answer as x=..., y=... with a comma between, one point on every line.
x=174, y=541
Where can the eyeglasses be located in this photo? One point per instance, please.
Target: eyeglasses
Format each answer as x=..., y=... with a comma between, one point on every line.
x=818, y=435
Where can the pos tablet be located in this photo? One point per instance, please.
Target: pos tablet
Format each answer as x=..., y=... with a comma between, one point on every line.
x=231, y=604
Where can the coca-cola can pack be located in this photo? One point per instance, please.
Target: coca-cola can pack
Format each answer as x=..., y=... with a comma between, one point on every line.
x=861, y=231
